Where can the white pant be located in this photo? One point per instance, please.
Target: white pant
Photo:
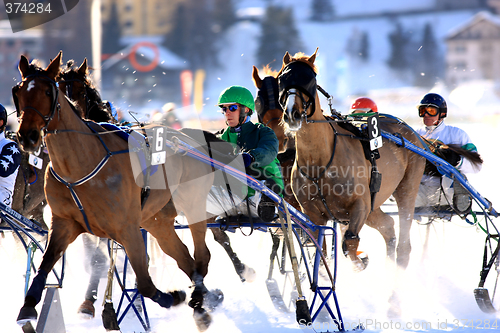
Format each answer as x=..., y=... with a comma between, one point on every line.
x=219, y=202
x=430, y=192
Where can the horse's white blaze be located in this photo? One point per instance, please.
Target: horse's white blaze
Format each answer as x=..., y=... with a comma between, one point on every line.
x=31, y=85
x=290, y=102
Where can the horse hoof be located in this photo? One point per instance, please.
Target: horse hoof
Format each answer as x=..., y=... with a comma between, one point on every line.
x=197, y=298
x=248, y=274
x=213, y=299
x=202, y=319
x=362, y=261
x=179, y=297
x=87, y=308
x=26, y=314
x=163, y=299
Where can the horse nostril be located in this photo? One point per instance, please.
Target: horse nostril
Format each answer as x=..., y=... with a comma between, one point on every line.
x=33, y=137
x=296, y=114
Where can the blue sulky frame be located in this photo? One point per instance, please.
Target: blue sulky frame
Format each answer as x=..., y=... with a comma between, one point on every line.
x=27, y=227
x=322, y=294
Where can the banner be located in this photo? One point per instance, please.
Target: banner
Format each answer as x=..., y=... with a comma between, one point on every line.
x=186, y=87
x=199, y=78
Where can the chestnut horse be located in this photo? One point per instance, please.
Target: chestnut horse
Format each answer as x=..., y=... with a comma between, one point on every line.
x=76, y=84
x=331, y=176
x=95, y=171
x=79, y=87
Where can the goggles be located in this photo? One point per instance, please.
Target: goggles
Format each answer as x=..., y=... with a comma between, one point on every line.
x=430, y=110
x=231, y=108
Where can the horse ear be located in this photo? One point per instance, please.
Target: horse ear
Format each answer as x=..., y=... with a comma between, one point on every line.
x=23, y=65
x=313, y=56
x=83, y=68
x=256, y=78
x=286, y=58
x=54, y=66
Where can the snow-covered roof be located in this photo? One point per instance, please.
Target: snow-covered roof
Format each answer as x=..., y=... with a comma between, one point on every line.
x=481, y=16
x=167, y=59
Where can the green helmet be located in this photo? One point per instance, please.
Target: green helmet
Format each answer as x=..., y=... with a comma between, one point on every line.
x=237, y=94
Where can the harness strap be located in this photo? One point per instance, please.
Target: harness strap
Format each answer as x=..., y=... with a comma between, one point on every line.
x=86, y=178
x=316, y=179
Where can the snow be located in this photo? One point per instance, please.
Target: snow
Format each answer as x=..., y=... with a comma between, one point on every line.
x=436, y=291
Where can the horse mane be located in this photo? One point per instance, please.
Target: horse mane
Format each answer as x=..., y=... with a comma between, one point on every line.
x=97, y=111
x=268, y=71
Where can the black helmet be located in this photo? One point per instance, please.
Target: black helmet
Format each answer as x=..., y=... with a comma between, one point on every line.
x=437, y=101
x=3, y=116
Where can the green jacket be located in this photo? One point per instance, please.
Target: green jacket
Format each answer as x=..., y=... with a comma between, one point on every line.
x=259, y=141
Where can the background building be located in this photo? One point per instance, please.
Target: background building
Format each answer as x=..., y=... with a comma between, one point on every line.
x=473, y=49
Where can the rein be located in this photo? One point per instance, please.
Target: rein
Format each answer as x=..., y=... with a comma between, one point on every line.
x=69, y=92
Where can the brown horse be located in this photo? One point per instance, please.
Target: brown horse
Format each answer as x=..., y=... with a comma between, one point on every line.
x=76, y=84
x=108, y=195
x=331, y=176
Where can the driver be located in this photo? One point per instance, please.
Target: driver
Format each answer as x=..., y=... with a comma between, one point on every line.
x=257, y=144
x=433, y=109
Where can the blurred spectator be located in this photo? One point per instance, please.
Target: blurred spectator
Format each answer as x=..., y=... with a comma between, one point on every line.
x=169, y=117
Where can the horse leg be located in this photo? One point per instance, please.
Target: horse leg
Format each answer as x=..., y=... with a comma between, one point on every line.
x=244, y=272
x=161, y=226
x=350, y=242
x=385, y=225
x=132, y=241
x=406, y=207
x=98, y=261
x=62, y=233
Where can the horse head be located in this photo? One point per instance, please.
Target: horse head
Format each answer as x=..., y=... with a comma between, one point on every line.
x=36, y=101
x=76, y=84
x=267, y=106
x=297, y=88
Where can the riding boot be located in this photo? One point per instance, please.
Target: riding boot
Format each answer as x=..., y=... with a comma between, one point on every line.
x=266, y=208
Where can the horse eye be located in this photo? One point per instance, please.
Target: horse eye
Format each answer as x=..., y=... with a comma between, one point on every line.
x=48, y=92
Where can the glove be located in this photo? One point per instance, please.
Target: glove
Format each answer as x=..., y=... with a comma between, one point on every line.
x=247, y=159
x=450, y=156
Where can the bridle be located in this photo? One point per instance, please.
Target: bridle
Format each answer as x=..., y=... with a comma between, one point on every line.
x=69, y=91
x=54, y=105
x=296, y=80
x=267, y=99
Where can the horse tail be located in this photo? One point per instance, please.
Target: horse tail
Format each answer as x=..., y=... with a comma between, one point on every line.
x=473, y=156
